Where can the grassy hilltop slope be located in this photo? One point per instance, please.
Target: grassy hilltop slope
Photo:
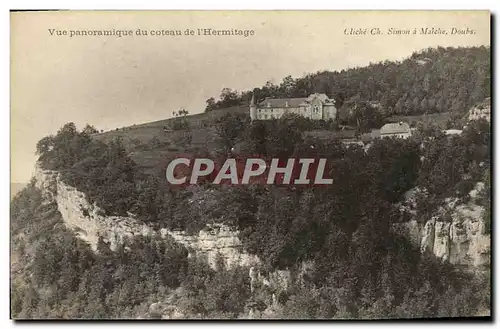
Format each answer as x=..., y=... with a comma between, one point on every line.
x=137, y=139
x=145, y=131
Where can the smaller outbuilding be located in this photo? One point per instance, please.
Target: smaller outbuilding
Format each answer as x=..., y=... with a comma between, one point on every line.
x=398, y=130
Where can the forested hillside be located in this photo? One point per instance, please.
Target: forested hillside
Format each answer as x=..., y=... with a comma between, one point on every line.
x=434, y=80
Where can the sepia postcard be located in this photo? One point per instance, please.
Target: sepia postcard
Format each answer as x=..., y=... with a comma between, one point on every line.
x=250, y=165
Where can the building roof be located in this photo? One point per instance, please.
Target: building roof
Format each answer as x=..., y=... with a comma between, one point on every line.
x=453, y=132
x=282, y=102
x=395, y=128
x=293, y=102
x=322, y=97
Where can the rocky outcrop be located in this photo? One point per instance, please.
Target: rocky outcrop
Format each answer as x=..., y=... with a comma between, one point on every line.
x=428, y=236
x=89, y=222
x=471, y=242
x=216, y=241
x=457, y=234
x=441, y=246
x=86, y=220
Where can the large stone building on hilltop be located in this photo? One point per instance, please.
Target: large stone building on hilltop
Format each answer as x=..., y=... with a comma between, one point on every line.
x=315, y=107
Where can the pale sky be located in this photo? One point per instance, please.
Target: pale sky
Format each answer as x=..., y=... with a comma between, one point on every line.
x=112, y=82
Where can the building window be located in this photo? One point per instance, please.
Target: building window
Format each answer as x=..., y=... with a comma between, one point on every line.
x=268, y=104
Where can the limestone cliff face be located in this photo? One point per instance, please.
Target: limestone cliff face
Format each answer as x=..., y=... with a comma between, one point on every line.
x=89, y=223
x=459, y=237
x=86, y=220
x=214, y=242
x=463, y=240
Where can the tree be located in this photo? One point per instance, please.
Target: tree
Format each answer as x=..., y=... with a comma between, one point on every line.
x=179, y=120
x=424, y=105
x=287, y=86
x=44, y=145
x=255, y=138
x=30, y=302
x=228, y=127
x=282, y=137
x=399, y=108
x=90, y=130
x=415, y=105
x=229, y=97
x=486, y=202
x=211, y=105
x=68, y=129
